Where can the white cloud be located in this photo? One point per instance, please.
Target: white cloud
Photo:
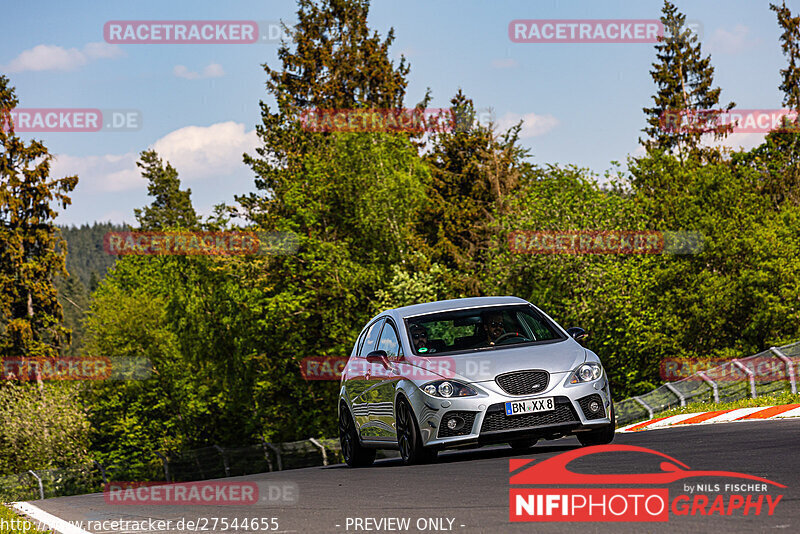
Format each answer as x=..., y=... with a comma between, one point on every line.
x=105, y=174
x=505, y=63
x=199, y=152
x=731, y=42
x=212, y=70
x=533, y=124
x=51, y=57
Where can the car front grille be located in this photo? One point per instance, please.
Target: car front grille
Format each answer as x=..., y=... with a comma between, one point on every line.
x=496, y=419
x=468, y=419
x=584, y=403
x=523, y=382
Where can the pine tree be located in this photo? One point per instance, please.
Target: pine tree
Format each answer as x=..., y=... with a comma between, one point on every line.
x=333, y=62
x=32, y=250
x=685, y=103
x=790, y=43
x=473, y=172
x=171, y=207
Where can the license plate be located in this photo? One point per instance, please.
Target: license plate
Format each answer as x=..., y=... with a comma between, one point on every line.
x=545, y=404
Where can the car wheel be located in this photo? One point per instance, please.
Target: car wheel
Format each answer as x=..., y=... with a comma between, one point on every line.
x=408, y=437
x=355, y=455
x=523, y=444
x=601, y=436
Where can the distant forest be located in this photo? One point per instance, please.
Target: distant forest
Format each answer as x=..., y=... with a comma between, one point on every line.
x=87, y=264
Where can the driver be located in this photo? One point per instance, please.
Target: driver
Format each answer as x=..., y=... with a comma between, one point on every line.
x=419, y=335
x=495, y=327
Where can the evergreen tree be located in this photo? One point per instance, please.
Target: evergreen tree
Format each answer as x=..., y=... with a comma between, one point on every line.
x=336, y=63
x=684, y=105
x=473, y=172
x=171, y=207
x=32, y=250
x=790, y=43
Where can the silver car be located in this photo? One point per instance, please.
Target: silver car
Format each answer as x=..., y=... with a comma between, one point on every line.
x=465, y=373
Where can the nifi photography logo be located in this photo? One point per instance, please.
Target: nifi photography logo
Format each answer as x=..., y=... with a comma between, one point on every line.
x=545, y=491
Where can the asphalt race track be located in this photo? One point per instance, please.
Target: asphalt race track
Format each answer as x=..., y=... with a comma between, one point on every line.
x=471, y=488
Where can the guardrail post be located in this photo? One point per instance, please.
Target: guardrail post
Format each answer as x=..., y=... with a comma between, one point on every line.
x=714, y=386
x=277, y=454
x=224, y=460
x=102, y=471
x=266, y=453
x=166, y=465
x=751, y=375
x=677, y=393
x=38, y=479
x=789, y=368
x=322, y=448
x=646, y=406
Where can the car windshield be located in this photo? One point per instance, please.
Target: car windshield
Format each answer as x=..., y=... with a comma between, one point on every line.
x=479, y=329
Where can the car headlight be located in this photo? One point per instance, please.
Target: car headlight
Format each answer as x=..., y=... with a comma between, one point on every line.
x=447, y=389
x=586, y=372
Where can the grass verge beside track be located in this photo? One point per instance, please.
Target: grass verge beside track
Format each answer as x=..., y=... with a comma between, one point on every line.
x=11, y=523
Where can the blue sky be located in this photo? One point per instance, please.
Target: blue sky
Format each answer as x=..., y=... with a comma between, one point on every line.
x=199, y=103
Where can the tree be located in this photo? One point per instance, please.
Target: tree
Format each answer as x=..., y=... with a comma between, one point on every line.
x=684, y=104
x=32, y=250
x=790, y=43
x=473, y=173
x=171, y=207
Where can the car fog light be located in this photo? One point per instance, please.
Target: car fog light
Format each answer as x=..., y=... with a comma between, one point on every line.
x=446, y=389
x=452, y=424
x=594, y=406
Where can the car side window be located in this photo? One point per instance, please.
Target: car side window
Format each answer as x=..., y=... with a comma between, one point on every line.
x=371, y=338
x=390, y=342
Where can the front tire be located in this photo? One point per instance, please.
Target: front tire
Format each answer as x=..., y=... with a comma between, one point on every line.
x=408, y=437
x=601, y=436
x=355, y=455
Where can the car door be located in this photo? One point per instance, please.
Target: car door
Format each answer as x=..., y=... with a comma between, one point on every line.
x=381, y=395
x=359, y=381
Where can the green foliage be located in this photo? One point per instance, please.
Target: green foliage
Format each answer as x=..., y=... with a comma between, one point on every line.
x=684, y=79
x=31, y=253
x=41, y=426
x=171, y=207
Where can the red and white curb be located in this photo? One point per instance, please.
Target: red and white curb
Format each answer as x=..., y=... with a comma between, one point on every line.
x=720, y=416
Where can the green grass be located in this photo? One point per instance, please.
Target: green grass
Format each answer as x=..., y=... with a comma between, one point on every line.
x=7, y=515
x=766, y=400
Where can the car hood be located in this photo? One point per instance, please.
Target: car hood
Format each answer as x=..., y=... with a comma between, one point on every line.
x=484, y=366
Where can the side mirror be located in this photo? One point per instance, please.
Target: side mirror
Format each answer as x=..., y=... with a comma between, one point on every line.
x=577, y=333
x=379, y=356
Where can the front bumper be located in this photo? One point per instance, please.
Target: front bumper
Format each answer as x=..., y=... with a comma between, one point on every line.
x=482, y=420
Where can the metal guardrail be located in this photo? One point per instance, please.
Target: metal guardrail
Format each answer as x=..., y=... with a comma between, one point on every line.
x=199, y=464
x=771, y=371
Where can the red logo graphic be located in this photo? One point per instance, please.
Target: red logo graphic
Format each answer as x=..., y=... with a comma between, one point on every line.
x=378, y=120
x=181, y=493
x=624, y=504
x=739, y=120
x=585, y=31
x=61, y=368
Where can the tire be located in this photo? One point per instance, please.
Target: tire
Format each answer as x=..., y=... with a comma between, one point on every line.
x=409, y=439
x=523, y=444
x=601, y=436
x=355, y=455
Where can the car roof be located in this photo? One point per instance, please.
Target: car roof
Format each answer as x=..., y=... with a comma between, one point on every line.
x=452, y=304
